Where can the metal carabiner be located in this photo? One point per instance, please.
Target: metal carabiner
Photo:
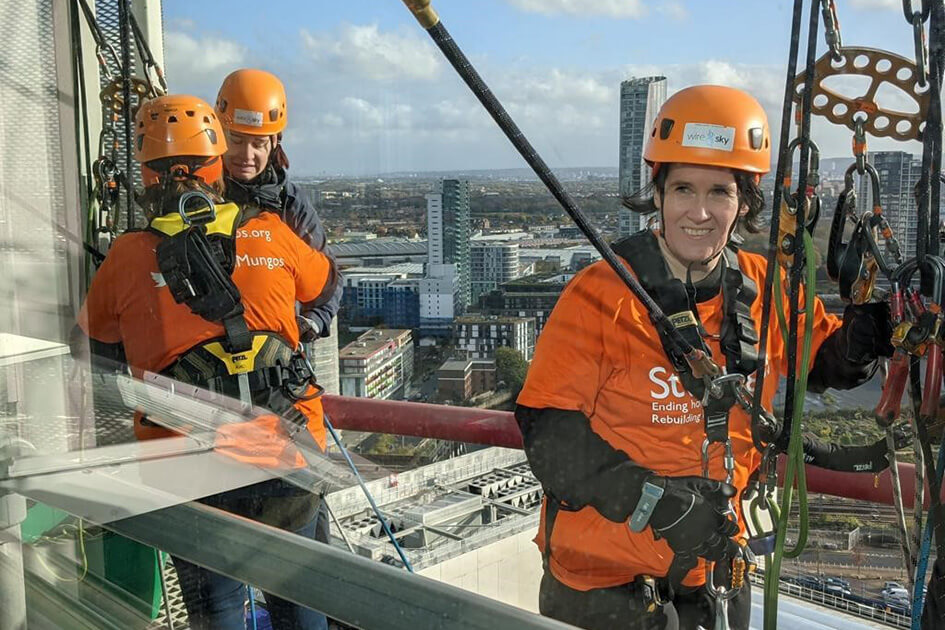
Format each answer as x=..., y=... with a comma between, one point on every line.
x=200, y=216
x=854, y=265
x=787, y=227
x=714, y=385
x=728, y=463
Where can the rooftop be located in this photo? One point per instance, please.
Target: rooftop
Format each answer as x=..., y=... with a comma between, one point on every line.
x=456, y=364
x=499, y=237
x=550, y=279
x=490, y=319
x=378, y=247
x=372, y=342
x=406, y=268
x=444, y=509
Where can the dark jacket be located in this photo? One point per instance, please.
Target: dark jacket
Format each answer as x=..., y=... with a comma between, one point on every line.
x=273, y=191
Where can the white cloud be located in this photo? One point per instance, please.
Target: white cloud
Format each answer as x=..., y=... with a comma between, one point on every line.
x=558, y=85
x=189, y=55
x=331, y=120
x=673, y=10
x=608, y=8
x=879, y=4
x=371, y=53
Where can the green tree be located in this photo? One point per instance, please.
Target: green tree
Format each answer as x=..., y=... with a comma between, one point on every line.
x=511, y=367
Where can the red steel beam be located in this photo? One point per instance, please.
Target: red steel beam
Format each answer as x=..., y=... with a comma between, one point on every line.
x=498, y=428
x=443, y=422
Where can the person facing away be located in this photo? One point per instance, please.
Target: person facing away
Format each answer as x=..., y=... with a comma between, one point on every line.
x=207, y=283
x=252, y=107
x=609, y=424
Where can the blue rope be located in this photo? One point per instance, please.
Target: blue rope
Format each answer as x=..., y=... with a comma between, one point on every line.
x=367, y=493
x=921, y=567
x=252, y=605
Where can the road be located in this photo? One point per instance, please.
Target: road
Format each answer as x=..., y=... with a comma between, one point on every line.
x=794, y=614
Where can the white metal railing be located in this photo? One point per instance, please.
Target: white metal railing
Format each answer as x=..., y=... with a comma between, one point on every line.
x=864, y=611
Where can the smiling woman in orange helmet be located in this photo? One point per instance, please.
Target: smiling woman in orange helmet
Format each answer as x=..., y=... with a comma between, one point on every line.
x=205, y=286
x=252, y=107
x=610, y=425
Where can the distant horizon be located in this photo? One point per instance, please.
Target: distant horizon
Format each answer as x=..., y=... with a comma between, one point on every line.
x=524, y=170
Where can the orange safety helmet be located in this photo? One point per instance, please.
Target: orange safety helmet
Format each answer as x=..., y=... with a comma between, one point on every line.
x=182, y=126
x=711, y=125
x=252, y=101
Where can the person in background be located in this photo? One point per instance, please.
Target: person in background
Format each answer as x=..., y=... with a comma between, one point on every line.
x=252, y=108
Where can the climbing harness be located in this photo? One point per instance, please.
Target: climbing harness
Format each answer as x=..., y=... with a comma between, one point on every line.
x=196, y=258
x=738, y=341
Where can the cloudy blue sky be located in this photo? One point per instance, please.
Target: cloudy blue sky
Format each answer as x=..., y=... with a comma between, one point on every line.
x=369, y=92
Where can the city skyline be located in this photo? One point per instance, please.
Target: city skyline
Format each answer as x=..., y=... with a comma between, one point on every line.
x=369, y=94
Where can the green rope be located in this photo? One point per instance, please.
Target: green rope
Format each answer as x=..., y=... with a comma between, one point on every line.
x=795, y=471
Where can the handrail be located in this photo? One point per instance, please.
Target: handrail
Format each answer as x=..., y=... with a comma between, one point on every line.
x=851, y=607
x=498, y=428
x=443, y=422
x=344, y=586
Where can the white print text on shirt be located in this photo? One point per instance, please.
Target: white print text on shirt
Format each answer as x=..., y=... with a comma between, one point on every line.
x=244, y=233
x=270, y=262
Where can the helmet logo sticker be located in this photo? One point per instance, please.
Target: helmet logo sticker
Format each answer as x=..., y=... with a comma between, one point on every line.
x=247, y=117
x=707, y=136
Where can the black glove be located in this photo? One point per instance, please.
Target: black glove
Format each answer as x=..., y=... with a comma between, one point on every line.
x=879, y=451
x=309, y=329
x=690, y=516
x=867, y=331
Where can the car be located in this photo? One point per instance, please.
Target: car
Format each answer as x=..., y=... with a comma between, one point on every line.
x=835, y=581
x=899, y=596
x=888, y=585
x=810, y=582
x=837, y=590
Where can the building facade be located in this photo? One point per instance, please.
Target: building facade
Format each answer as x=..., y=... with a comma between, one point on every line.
x=378, y=364
x=461, y=379
x=402, y=303
x=323, y=353
x=449, y=230
x=382, y=294
x=640, y=101
x=531, y=296
x=479, y=335
x=439, y=300
x=491, y=264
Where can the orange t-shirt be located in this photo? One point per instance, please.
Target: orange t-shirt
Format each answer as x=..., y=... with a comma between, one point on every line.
x=129, y=303
x=599, y=354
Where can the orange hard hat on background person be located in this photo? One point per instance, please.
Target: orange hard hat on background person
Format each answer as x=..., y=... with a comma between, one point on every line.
x=178, y=125
x=711, y=125
x=253, y=102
